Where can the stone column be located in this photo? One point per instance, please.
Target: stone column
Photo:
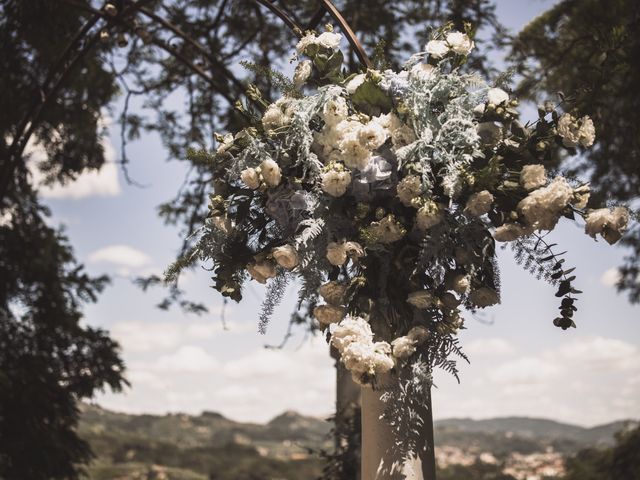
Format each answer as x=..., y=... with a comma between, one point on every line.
x=379, y=460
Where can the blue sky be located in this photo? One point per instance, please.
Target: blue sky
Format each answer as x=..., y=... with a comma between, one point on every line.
x=521, y=364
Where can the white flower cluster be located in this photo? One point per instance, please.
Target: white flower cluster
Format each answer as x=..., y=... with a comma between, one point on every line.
x=268, y=173
x=328, y=40
x=385, y=186
x=363, y=357
x=456, y=42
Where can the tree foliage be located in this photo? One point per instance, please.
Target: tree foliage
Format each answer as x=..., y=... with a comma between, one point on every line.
x=592, y=49
x=620, y=462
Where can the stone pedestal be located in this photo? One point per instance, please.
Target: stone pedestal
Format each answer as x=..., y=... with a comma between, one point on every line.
x=379, y=460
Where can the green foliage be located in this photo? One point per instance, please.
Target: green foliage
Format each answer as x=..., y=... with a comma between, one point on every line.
x=592, y=48
x=621, y=462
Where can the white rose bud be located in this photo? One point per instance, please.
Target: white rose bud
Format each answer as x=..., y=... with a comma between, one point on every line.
x=286, y=256
x=261, y=271
x=336, y=253
x=421, y=299
x=250, y=177
x=328, y=314
x=496, y=96
x=270, y=173
x=333, y=292
x=302, y=73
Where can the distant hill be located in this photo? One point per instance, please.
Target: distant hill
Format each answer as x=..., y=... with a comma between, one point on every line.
x=209, y=445
x=537, y=428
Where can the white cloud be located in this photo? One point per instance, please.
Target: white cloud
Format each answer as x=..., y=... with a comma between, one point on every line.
x=610, y=278
x=123, y=255
x=103, y=183
x=187, y=358
x=489, y=347
x=255, y=386
x=137, y=336
x=586, y=380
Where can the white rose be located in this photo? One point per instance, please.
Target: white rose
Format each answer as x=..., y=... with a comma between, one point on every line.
x=278, y=114
x=609, y=223
x=576, y=132
x=335, y=182
x=349, y=330
x=479, y=203
x=429, y=215
x=403, y=347
x=302, y=73
x=421, y=299
x=270, y=173
x=354, y=154
x=328, y=314
x=408, y=189
x=437, y=48
x=496, y=96
x=372, y=135
x=333, y=292
x=460, y=43
x=382, y=361
x=484, y=297
x=304, y=42
x=286, y=256
x=329, y=40
x=335, y=111
x=261, y=271
x=581, y=197
x=250, y=177
x=353, y=84
x=543, y=207
x=587, y=132
x=533, y=176
x=510, y=232
x=336, y=253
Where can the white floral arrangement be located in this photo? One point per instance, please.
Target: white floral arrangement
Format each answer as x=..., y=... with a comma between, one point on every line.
x=384, y=192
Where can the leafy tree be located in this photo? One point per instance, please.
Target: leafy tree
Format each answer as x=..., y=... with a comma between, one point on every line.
x=48, y=360
x=622, y=462
x=63, y=65
x=592, y=48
